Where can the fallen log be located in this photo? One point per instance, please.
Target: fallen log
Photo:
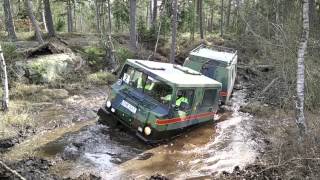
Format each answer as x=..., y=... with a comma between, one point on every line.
x=12, y=171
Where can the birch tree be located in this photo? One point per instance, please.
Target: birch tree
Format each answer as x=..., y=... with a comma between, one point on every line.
x=300, y=118
x=4, y=80
x=174, y=31
x=34, y=21
x=9, y=20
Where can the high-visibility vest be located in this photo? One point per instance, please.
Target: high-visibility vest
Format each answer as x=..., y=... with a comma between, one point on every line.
x=149, y=86
x=180, y=100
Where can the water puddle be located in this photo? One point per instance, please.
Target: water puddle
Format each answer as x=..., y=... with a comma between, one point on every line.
x=93, y=149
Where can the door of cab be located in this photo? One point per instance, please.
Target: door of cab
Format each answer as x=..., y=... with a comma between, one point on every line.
x=206, y=103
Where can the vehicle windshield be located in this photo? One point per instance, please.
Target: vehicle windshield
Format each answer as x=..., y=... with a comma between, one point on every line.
x=158, y=90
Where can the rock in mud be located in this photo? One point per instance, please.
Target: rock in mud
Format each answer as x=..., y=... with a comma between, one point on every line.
x=85, y=177
x=49, y=68
x=158, y=177
x=71, y=153
x=7, y=143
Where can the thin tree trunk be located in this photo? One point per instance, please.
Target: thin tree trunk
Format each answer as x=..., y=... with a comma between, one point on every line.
x=194, y=4
x=154, y=13
x=74, y=28
x=228, y=14
x=300, y=118
x=44, y=20
x=4, y=80
x=133, y=30
x=210, y=24
x=109, y=17
x=312, y=16
x=69, y=16
x=174, y=32
x=48, y=18
x=201, y=18
x=221, y=19
x=34, y=22
x=97, y=15
x=9, y=20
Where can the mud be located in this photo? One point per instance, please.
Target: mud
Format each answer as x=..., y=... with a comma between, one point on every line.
x=23, y=133
x=30, y=168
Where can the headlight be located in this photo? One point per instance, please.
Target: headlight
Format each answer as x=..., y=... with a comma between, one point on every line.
x=147, y=130
x=108, y=104
x=113, y=110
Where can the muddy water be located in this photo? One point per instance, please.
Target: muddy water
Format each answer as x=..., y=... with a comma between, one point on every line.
x=206, y=151
x=87, y=147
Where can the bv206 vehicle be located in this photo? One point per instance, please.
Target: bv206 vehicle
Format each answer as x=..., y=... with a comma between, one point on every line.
x=218, y=63
x=158, y=100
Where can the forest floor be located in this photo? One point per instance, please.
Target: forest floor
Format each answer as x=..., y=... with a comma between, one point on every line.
x=58, y=137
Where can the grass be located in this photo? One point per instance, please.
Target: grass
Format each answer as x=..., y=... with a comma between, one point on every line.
x=101, y=78
x=17, y=118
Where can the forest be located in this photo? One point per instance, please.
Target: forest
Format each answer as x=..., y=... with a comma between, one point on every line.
x=59, y=59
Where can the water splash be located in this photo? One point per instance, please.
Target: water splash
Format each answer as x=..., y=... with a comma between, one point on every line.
x=233, y=145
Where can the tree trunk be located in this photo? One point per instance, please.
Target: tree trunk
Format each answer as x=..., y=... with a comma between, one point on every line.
x=9, y=20
x=174, y=31
x=312, y=16
x=74, y=28
x=69, y=16
x=193, y=29
x=109, y=17
x=211, y=20
x=48, y=18
x=221, y=19
x=200, y=9
x=97, y=15
x=154, y=13
x=300, y=119
x=228, y=14
x=44, y=20
x=4, y=80
x=133, y=30
x=34, y=22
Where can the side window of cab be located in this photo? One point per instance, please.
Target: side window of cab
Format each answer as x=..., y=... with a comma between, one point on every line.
x=209, y=100
x=184, y=101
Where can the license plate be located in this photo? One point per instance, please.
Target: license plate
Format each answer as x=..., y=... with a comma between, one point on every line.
x=129, y=106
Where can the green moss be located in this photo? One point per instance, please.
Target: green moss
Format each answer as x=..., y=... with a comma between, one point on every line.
x=101, y=78
x=123, y=54
x=10, y=52
x=94, y=56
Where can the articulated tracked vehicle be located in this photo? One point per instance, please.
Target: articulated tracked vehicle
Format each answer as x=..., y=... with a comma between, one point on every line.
x=157, y=100
x=218, y=63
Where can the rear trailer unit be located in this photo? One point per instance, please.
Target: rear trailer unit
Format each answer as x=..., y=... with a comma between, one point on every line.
x=218, y=63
